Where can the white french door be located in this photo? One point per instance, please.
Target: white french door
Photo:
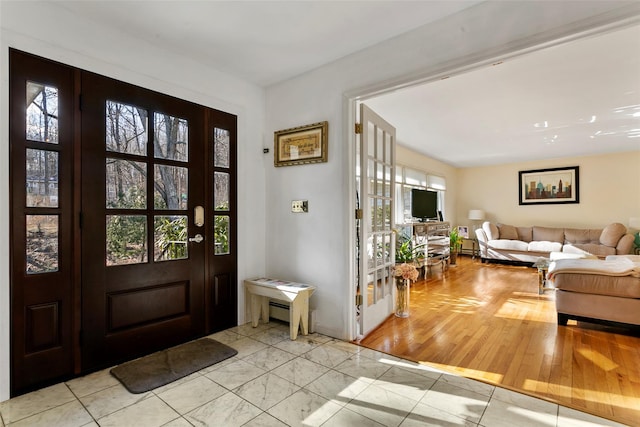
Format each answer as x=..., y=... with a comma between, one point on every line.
x=375, y=175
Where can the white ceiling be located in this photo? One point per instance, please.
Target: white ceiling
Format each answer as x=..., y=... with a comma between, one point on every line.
x=569, y=100
x=264, y=42
x=579, y=98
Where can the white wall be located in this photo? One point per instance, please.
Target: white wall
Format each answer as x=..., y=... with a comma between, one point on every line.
x=46, y=30
x=609, y=192
x=317, y=247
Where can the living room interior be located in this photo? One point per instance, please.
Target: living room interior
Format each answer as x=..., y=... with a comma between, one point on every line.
x=312, y=248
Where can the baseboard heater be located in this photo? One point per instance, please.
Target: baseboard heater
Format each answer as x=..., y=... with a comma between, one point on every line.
x=279, y=311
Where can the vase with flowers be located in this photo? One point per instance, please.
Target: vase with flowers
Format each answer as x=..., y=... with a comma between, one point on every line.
x=404, y=274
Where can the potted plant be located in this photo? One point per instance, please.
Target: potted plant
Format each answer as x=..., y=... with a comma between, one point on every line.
x=455, y=245
x=404, y=252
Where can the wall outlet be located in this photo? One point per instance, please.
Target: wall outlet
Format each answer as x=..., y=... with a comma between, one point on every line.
x=299, y=206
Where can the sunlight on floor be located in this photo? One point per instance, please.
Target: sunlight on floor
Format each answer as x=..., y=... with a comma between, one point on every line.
x=491, y=377
x=556, y=390
x=598, y=359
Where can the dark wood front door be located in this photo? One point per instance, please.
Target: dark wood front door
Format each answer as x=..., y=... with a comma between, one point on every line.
x=143, y=278
x=123, y=221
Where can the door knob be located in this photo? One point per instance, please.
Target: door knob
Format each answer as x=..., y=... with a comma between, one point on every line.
x=197, y=238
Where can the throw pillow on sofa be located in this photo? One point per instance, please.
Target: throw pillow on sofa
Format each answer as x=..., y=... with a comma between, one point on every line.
x=508, y=232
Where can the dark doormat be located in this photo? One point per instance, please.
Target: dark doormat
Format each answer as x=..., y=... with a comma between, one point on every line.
x=163, y=367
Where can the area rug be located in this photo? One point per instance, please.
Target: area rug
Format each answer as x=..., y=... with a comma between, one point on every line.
x=163, y=367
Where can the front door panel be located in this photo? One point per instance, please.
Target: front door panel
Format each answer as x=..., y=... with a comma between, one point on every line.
x=143, y=175
x=41, y=166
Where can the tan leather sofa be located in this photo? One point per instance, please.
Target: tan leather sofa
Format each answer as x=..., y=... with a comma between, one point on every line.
x=527, y=244
x=597, y=289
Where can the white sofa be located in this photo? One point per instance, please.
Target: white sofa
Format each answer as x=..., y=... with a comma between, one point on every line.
x=527, y=244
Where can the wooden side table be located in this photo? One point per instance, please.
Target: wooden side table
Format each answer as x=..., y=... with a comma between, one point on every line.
x=295, y=294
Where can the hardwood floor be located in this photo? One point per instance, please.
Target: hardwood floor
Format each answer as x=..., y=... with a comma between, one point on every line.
x=487, y=322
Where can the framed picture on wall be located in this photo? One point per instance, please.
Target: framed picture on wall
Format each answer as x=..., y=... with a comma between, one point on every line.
x=301, y=145
x=549, y=186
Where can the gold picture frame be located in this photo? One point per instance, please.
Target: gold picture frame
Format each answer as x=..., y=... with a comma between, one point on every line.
x=301, y=145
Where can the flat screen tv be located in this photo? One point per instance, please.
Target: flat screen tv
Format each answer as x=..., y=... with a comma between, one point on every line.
x=424, y=204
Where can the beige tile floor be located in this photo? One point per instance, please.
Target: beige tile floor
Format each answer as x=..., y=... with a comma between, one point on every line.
x=273, y=381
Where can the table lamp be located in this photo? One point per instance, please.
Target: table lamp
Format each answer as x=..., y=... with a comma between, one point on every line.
x=475, y=215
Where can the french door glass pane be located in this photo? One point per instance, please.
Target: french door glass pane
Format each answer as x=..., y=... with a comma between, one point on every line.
x=221, y=191
x=126, y=239
x=387, y=214
x=42, y=178
x=388, y=146
x=379, y=293
x=171, y=138
x=126, y=128
x=221, y=148
x=170, y=237
x=371, y=288
x=387, y=249
x=380, y=144
x=171, y=189
x=42, y=113
x=388, y=281
x=371, y=148
x=42, y=243
x=126, y=183
x=372, y=175
x=221, y=233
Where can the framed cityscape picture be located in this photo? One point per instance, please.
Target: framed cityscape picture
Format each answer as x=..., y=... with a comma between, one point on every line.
x=549, y=186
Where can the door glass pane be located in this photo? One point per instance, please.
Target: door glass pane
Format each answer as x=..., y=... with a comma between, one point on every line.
x=221, y=148
x=221, y=191
x=42, y=113
x=42, y=243
x=387, y=181
x=371, y=134
x=379, y=294
x=379, y=251
x=372, y=213
x=388, y=281
x=370, y=252
x=126, y=183
x=370, y=288
x=171, y=189
x=170, y=237
x=388, y=146
x=379, y=144
x=371, y=172
x=126, y=239
x=379, y=179
x=221, y=234
x=387, y=249
x=126, y=128
x=42, y=178
x=171, y=138
x=387, y=214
